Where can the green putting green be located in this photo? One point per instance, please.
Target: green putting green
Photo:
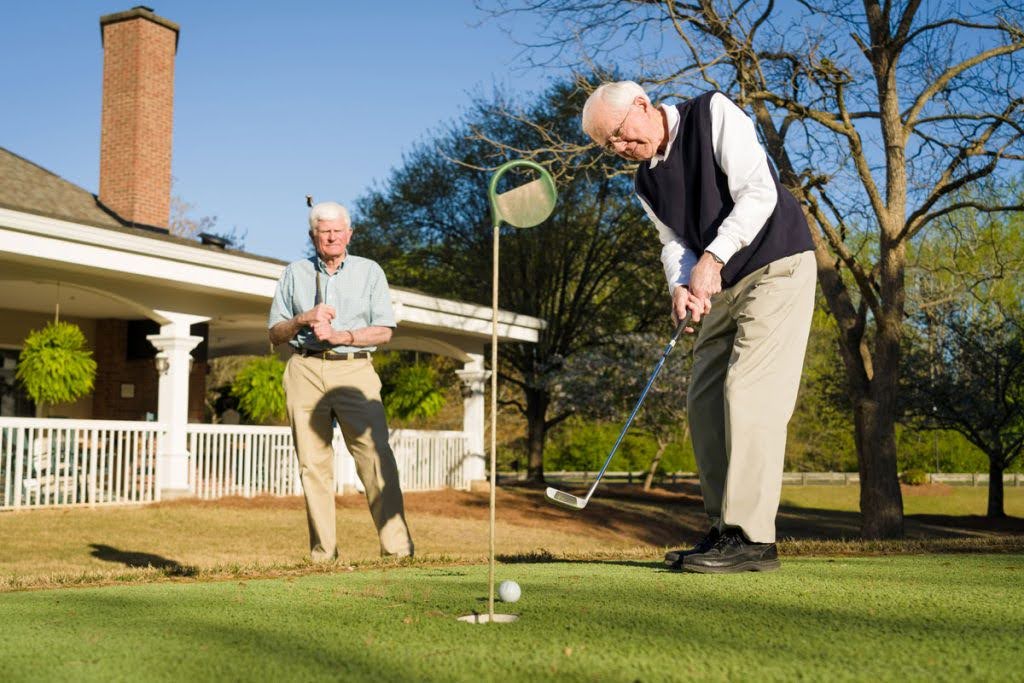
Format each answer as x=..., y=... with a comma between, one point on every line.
x=916, y=617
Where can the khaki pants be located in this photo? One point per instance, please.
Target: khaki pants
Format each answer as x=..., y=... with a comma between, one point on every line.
x=318, y=390
x=747, y=362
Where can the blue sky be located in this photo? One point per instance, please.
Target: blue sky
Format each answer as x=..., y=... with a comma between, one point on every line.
x=272, y=100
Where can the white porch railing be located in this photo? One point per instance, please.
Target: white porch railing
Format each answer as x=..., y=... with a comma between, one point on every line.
x=428, y=459
x=58, y=462
x=241, y=460
x=238, y=460
x=47, y=462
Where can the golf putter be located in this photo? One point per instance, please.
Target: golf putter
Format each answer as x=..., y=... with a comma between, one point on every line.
x=567, y=500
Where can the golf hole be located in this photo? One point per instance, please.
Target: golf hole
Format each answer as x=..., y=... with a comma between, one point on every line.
x=489, y=618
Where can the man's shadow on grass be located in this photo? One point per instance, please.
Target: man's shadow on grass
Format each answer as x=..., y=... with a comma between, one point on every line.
x=138, y=559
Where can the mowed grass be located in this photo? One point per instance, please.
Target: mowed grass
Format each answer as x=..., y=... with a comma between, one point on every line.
x=920, y=617
x=254, y=536
x=267, y=537
x=917, y=500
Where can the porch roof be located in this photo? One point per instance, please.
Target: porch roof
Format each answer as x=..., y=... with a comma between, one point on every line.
x=128, y=272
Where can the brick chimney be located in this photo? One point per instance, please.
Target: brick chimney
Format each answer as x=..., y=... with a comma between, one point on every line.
x=138, y=107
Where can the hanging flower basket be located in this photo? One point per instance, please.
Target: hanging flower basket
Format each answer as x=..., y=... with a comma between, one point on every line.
x=54, y=365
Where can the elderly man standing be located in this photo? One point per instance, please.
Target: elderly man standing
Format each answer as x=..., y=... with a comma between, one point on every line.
x=334, y=309
x=737, y=252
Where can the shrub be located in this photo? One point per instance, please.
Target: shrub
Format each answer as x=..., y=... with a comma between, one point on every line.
x=914, y=477
x=259, y=388
x=416, y=393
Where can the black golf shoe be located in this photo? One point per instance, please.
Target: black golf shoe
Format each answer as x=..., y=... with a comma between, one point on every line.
x=673, y=558
x=732, y=553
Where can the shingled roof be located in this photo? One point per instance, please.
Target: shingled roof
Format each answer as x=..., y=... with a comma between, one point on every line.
x=27, y=187
x=30, y=188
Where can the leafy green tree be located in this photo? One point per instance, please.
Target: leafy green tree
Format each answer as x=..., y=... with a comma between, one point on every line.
x=590, y=271
x=259, y=388
x=54, y=365
x=964, y=350
x=979, y=390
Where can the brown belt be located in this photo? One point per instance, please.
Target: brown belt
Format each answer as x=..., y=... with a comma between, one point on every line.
x=331, y=355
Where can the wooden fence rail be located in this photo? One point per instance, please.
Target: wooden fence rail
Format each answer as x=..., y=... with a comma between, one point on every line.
x=788, y=478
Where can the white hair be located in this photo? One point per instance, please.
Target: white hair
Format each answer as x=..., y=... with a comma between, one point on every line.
x=617, y=97
x=328, y=211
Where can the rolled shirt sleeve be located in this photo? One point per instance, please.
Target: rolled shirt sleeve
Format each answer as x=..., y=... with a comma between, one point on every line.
x=280, y=307
x=381, y=312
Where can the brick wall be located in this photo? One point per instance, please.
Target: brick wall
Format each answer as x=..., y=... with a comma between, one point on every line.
x=137, y=120
x=115, y=368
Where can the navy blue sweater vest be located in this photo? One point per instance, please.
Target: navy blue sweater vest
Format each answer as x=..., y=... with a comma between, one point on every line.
x=689, y=193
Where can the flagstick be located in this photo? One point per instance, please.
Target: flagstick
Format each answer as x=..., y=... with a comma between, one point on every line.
x=494, y=417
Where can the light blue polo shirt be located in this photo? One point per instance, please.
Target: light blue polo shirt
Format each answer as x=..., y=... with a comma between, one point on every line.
x=358, y=291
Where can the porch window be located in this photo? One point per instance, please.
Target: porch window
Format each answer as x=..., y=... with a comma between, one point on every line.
x=14, y=402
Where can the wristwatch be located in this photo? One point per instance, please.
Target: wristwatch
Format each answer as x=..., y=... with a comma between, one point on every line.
x=715, y=256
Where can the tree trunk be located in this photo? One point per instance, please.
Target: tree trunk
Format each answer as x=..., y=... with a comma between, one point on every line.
x=537, y=402
x=649, y=479
x=881, y=501
x=995, y=488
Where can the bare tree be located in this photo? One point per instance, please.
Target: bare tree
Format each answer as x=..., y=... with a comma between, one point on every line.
x=183, y=223
x=583, y=270
x=878, y=117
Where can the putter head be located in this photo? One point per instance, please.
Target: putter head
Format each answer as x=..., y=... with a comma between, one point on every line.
x=566, y=500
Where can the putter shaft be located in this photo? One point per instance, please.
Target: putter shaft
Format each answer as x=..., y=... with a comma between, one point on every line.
x=569, y=500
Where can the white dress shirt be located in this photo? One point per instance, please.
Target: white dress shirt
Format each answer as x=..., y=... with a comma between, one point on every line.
x=740, y=156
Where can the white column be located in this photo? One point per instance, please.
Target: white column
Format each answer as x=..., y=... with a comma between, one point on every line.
x=173, y=345
x=474, y=385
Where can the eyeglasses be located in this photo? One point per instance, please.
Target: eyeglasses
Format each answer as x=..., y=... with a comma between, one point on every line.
x=616, y=136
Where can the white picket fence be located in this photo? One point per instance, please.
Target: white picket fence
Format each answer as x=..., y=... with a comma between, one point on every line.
x=59, y=462
x=46, y=462
x=233, y=460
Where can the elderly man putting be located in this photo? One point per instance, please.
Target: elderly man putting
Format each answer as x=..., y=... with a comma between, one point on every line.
x=334, y=309
x=736, y=252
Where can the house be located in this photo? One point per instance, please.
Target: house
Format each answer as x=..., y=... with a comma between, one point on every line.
x=154, y=307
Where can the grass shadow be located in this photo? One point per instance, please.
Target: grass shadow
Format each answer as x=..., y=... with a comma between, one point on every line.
x=545, y=557
x=130, y=558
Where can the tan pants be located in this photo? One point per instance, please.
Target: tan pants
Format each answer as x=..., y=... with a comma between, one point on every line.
x=318, y=390
x=747, y=363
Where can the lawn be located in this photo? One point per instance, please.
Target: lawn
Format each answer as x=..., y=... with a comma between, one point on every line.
x=221, y=590
x=910, y=617
x=940, y=499
x=267, y=536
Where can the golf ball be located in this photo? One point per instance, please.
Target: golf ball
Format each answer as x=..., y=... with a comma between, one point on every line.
x=509, y=591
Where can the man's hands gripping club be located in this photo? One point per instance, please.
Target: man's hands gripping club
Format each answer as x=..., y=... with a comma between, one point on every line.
x=319, y=320
x=705, y=282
